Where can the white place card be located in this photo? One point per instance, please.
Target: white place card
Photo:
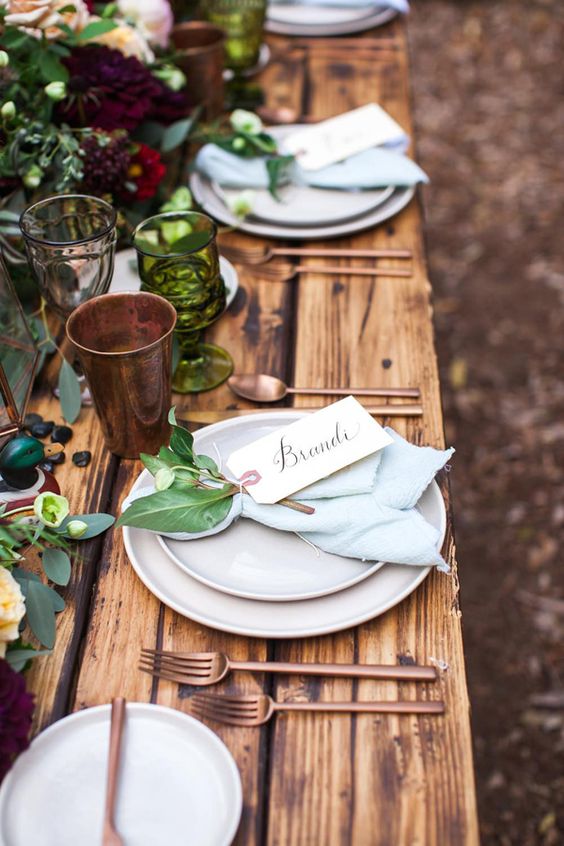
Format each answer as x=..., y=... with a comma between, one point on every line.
x=333, y=140
x=291, y=458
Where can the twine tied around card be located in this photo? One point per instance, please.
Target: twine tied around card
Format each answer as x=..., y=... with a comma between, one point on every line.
x=253, y=477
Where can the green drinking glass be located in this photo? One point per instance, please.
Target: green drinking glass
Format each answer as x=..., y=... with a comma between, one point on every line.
x=178, y=259
x=242, y=22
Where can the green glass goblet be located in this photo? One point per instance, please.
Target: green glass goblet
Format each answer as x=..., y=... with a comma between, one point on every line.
x=178, y=259
x=243, y=22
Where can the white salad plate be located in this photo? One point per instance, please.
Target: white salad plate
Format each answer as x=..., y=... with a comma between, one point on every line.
x=296, y=19
x=178, y=783
x=335, y=611
x=251, y=560
x=126, y=277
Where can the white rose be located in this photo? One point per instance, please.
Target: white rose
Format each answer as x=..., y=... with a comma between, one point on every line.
x=37, y=17
x=153, y=18
x=12, y=609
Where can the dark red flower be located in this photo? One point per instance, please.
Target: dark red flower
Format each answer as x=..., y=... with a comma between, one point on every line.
x=90, y=6
x=171, y=106
x=146, y=171
x=16, y=709
x=106, y=161
x=107, y=89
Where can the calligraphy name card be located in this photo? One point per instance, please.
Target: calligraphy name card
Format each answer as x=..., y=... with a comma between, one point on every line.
x=330, y=141
x=289, y=459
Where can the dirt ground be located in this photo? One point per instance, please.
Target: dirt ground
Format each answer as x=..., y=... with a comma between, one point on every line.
x=488, y=95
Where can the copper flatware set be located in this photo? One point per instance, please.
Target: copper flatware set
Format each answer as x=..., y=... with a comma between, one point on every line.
x=201, y=669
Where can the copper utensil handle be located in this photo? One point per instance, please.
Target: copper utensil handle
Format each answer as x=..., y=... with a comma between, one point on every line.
x=335, y=252
x=402, y=707
x=351, y=271
x=359, y=392
x=116, y=732
x=408, y=672
x=378, y=410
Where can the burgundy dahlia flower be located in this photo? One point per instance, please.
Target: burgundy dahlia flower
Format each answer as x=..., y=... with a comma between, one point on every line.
x=106, y=162
x=16, y=709
x=107, y=89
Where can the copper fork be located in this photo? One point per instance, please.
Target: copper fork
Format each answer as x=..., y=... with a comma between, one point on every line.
x=256, y=710
x=110, y=836
x=260, y=255
x=204, y=668
x=284, y=271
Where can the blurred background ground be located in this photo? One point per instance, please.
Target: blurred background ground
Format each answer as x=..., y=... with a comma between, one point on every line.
x=488, y=82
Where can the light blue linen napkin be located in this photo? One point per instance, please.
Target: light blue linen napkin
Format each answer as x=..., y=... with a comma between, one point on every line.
x=373, y=168
x=400, y=5
x=365, y=511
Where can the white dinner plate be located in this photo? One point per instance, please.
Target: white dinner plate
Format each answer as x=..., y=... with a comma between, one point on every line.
x=251, y=560
x=293, y=19
x=126, y=277
x=178, y=783
x=208, y=198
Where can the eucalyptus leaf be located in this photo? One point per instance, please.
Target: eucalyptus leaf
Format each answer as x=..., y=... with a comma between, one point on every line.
x=204, y=462
x=40, y=614
x=175, y=134
x=97, y=523
x=181, y=441
x=96, y=28
x=57, y=565
x=18, y=658
x=69, y=392
x=179, y=510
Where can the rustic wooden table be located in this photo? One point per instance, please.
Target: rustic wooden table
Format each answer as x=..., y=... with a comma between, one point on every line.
x=307, y=779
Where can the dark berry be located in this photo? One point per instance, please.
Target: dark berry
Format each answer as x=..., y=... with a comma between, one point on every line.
x=31, y=420
x=59, y=458
x=82, y=459
x=41, y=430
x=61, y=434
x=46, y=465
x=386, y=363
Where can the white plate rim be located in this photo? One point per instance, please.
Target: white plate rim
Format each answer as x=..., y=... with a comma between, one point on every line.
x=420, y=573
x=232, y=282
x=47, y=734
x=200, y=187
x=344, y=28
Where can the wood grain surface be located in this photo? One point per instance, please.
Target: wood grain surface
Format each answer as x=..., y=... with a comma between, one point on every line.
x=308, y=780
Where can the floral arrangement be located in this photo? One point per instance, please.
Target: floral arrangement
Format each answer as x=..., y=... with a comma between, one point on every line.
x=26, y=599
x=89, y=100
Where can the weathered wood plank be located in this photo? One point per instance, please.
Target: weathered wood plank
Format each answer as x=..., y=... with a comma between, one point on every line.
x=366, y=780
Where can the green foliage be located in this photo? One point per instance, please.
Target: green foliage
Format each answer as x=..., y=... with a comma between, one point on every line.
x=175, y=134
x=69, y=392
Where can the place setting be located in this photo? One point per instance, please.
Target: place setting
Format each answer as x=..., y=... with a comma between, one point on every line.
x=317, y=18
x=334, y=178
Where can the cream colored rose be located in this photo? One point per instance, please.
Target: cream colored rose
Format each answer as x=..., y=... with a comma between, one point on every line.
x=39, y=17
x=153, y=18
x=12, y=609
x=128, y=41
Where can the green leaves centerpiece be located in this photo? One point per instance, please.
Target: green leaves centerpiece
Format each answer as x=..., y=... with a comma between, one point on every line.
x=191, y=494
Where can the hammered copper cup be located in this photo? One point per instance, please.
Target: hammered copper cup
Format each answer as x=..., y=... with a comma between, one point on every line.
x=124, y=344
x=200, y=55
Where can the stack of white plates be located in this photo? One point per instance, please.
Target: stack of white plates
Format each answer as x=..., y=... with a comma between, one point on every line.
x=256, y=581
x=311, y=20
x=302, y=213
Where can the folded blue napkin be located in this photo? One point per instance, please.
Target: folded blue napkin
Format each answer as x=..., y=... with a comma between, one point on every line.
x=365, y=511
x=373, y=168
x=400, y=5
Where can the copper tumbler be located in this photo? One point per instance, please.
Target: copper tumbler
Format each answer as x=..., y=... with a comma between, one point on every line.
x=200, y=55
x=124, y=344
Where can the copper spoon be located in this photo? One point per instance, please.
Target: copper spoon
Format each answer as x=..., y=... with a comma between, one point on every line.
x=259, y=387
x=110, y=836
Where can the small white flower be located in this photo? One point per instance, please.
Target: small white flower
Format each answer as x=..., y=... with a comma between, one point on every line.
x=51, y=508
x=164, y=478
x=4, y=59
x=76, y=528
x=8, y=110
x=242, y=204
x=56, y=91
x=244, y=121
x=172, y=77
x=32, y=179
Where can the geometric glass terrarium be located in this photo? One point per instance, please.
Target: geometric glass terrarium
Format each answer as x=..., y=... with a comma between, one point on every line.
x=18, y=357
